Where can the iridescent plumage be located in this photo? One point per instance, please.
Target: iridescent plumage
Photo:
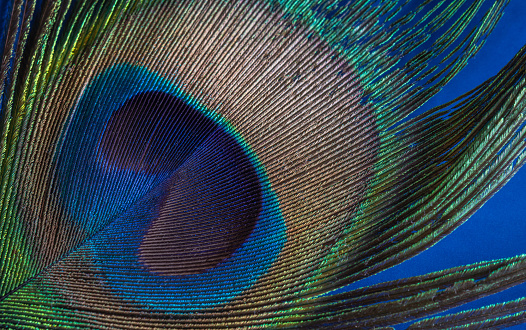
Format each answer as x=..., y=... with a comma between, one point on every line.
x=203, y=164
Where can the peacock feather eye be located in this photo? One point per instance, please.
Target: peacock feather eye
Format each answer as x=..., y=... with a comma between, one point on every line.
x=230, y=164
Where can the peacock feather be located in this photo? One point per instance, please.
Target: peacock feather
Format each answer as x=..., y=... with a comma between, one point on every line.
x=229, y=164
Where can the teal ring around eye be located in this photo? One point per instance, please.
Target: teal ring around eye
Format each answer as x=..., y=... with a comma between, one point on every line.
x=114, y=250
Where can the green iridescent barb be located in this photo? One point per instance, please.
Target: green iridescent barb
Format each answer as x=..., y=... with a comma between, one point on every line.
x=228, y=164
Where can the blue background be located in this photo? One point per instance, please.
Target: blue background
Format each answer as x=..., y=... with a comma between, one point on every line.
x=498, y=229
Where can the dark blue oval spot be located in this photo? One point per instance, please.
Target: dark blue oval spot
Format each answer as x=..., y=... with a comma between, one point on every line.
x=213, y=197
